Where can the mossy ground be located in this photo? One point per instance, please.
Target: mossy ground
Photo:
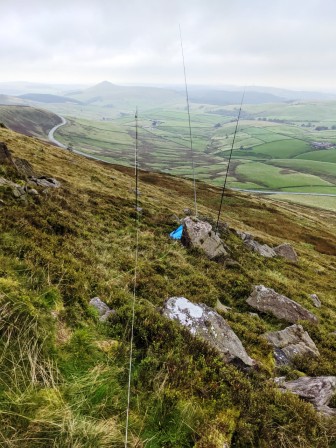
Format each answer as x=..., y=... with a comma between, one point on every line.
x=63, y=376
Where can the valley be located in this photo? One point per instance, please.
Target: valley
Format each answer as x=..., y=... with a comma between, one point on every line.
x=288, y=146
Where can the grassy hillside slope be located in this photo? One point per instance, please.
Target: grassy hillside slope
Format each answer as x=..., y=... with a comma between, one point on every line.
x=28, y=120
x=63, y=374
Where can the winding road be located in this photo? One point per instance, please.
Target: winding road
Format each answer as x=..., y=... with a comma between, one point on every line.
x=51, y=133
x=52, y=139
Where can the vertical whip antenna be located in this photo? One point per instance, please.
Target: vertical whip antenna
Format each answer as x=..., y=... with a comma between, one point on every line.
x=229, y=161
x=137, y=219
x=189, y=120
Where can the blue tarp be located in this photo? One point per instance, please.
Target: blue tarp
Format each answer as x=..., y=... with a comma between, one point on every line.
x=177, y=234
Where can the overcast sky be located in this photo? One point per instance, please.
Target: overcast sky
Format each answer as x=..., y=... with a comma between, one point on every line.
x=282, y=43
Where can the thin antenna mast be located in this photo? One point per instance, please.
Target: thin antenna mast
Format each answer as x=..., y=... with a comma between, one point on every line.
x=137, y=212
x=189, y=120
x=229, y=161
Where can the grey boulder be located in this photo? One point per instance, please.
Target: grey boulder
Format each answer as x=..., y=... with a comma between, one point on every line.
x=268, y=301
x=318, y=391
x=291, y=342
x=199, y=234
x=286, y=251
x=207, y=324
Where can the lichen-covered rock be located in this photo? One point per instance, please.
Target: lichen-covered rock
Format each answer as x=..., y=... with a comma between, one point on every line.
x=199, y=234
x=318, y=391
x=204, y=322
x=262, y=249
x=286, y=251
x=291, y=342
x=268, y=301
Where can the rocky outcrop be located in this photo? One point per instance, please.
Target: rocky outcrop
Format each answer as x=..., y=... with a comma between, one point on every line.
x=103, y=310
x=24, y=167
x=286, y=251
x=252, y=244
x=207, y=324
x=199, y=234
x=268, y=301
x=18, y=191
x=316, y=301
x=291, y=342
x=318, y=391
x=44, y=181
x=5, y=155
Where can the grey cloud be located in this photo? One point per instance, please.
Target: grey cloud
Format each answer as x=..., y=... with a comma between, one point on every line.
x=262, y=42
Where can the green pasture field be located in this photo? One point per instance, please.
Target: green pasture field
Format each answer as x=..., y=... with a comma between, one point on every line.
x=308, y=166
x=274, y=178
x=324, y=202
x=327, y=155
x=267, y=155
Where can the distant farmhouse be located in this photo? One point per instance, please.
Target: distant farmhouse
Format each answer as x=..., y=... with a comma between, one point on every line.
x=322, y=145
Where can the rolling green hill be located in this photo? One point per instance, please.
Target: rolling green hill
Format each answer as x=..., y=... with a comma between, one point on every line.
x=63, y=373
x=127, y=98
x=47, y=98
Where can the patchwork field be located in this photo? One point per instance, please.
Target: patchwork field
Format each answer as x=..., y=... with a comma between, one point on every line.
x=285, y=147
x=268, y=154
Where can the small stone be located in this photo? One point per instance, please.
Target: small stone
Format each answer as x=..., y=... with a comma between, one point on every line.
x=103, y=310
x=33, y=192
x=316, y=300
x=187, y=212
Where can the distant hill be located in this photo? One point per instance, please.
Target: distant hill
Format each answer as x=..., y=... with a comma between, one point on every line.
x=21, y=88
x=28, y=120
x=124, y=97
x=288, y=95
x=48, y=98
x=222, y=97
x=11, y=100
